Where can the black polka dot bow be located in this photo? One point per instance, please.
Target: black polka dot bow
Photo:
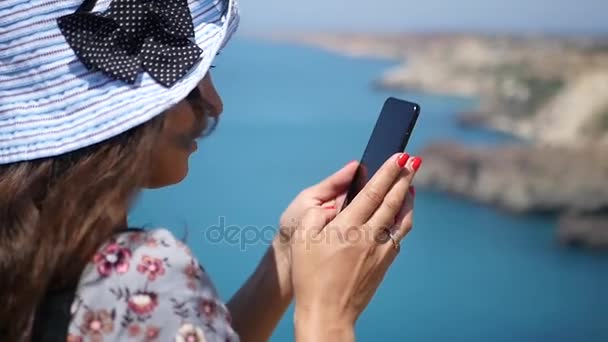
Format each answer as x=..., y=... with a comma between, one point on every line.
x=134, y=36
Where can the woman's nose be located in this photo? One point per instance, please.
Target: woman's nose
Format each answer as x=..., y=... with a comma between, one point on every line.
x=210, y=95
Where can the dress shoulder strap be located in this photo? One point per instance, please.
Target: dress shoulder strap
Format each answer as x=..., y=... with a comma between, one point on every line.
x=53, y=317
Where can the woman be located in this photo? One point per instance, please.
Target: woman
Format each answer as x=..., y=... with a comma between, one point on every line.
x=100, y=99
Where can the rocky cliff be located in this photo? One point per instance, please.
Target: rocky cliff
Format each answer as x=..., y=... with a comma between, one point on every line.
x=568, y=182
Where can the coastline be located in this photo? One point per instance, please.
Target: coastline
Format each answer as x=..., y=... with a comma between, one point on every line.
x=560, y=169
x=523, y=83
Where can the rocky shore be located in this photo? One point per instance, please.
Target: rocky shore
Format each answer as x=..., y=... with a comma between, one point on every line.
x=551, y=91
x=569, y=183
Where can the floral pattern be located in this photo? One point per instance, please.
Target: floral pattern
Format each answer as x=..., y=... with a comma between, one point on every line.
x=192, y=272
x=134, y=330
x=112, y=257
x=96, y=324
x=151, y=266
x=189, y=333
x=136, y=236
x=206, y=307
x=165, y=296
x=152, y=333
x=143, y=303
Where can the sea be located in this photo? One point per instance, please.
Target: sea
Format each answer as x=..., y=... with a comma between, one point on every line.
x=467, y=272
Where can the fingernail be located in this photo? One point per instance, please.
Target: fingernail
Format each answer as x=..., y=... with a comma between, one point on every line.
x=413, y=191
x=416, y=163
x=331, y=207
x=402, y=160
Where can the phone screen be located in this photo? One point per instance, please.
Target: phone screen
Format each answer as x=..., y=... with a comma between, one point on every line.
x=390, y=135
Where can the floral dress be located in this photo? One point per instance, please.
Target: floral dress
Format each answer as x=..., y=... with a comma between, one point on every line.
x=147, y=286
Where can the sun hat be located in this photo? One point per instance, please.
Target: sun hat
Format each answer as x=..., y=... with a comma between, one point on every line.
x=74, y=73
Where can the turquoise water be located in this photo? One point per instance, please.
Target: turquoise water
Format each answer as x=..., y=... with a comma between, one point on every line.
x=466, y=273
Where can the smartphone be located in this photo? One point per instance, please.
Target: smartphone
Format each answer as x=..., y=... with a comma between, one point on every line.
x=390, y=135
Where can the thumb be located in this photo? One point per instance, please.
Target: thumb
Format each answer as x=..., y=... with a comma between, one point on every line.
x=336, y=184
x=315, y=220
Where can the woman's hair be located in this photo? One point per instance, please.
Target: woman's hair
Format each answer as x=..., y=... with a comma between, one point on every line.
x=56, y=212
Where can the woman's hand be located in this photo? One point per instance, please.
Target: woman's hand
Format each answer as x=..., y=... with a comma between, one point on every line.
x=339, y=261
x=270, y=286
x=328, y=194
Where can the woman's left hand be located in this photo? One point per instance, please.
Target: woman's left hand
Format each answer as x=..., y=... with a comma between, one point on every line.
x=270, y=286
x=328, y=194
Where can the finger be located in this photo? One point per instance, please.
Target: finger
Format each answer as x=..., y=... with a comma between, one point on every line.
x=405, y=219
x=340, y=201
x=387, y=252
x=361, y=178
x=315, y=220
x=331, y=207
x=387, y=213
x=335, y=184
x=372, y=195
x=401, y=228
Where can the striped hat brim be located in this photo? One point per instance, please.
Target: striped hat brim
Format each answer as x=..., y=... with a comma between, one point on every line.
x=51, y=104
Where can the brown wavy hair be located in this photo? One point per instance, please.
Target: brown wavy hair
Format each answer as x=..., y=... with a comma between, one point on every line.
x=55, y=213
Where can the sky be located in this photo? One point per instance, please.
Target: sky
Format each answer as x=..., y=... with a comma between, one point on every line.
x=531, y=16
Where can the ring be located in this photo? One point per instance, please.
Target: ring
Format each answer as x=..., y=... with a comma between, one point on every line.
x=393, y=238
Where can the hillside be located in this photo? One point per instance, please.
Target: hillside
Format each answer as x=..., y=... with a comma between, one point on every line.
x=549, y=90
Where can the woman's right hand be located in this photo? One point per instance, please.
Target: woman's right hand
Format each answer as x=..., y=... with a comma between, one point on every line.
x=339, y=261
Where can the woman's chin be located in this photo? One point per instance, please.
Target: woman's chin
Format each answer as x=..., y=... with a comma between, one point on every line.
x=180, y=174
x=171, y=177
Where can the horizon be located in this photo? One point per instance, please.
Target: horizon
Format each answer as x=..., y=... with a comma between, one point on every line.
x=430, y=32
x=558, y=17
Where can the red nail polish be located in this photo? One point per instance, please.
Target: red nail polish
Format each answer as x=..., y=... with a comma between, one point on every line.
x=413, y=191
x=403, y=158
x=416, y=163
